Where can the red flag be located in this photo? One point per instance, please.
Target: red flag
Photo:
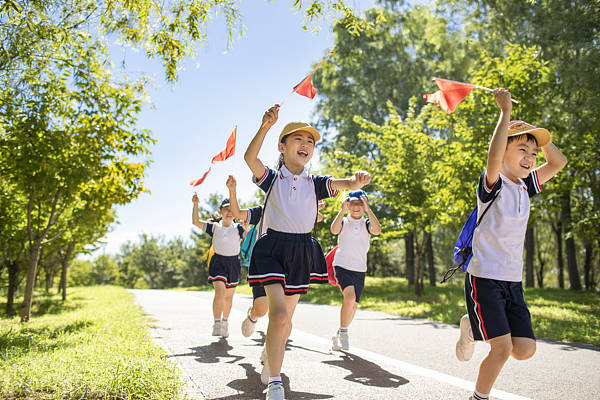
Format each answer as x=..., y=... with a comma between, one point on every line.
x=196, y=182
x=450, y=95
x=229, y=148
x=306, y=88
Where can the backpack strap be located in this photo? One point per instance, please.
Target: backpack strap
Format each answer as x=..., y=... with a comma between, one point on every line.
x=450, y=272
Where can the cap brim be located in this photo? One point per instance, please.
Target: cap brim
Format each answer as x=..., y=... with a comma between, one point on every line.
x=542, y=136
x=314, y=133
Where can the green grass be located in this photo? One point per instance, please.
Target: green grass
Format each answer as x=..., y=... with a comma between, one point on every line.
x=96, y=345
x=556, y=314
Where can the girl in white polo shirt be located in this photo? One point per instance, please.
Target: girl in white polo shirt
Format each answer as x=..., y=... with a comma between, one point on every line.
x=224, y=269
x=350, y=260
x=287, y=258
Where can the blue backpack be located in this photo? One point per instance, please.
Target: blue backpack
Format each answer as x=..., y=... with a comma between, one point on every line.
x=463, y=250
x=247, y=246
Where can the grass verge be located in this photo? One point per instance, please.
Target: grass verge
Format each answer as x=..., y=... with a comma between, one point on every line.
x=96, y=345
x=556, y=314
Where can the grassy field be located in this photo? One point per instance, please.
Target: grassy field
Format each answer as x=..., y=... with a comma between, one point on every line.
x=96, y=345
x=556, y=314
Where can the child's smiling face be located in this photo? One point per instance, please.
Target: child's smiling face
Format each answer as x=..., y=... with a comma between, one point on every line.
x=356, y=208
x=519, y=158
x=298, y=148
x=226, y=214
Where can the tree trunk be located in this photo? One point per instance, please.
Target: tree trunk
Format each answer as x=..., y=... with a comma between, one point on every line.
x=34, y=255
x=430, y=259
x=13, y=285
x=410, y=257
x=574, y=282
x=63, y=273
x=540, y=271
x=529, y=255
x=587, y=265
x=559, y=255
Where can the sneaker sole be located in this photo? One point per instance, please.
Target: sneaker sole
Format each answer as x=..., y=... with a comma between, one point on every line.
x=248, y=327
x=464, y=346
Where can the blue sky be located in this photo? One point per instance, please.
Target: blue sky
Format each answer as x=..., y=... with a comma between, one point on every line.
x=219, y=89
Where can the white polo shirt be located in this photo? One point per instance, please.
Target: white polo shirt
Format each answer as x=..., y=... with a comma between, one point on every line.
x=292, y=204
x=499, y=238
x=226, y=240
x=354, y=240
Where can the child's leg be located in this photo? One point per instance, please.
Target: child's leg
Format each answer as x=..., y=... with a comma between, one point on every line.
x=219, y=299
x=523, y=348
x=228, y=301
x=260, y=307
x=281, y=308
x=501, y=349
x=348, y=306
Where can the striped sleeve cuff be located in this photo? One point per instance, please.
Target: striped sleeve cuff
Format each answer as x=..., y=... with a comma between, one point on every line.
x=330, y=190
x=536, y=182
x=485, y=184
x=262, y=178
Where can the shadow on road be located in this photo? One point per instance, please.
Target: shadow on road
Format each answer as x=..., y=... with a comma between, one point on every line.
x=212, y=353
x=366, y=372
x=251, y=387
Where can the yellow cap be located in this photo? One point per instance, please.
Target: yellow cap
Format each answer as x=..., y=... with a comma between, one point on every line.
x=299, y=126
x=542, y=136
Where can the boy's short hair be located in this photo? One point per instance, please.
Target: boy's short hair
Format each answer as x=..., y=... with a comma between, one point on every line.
x=528, y=138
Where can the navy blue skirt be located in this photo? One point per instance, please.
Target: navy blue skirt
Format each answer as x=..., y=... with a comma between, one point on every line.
x=226, y=269
x=293, y=260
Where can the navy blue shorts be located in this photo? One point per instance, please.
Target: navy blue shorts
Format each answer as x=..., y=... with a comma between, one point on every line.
x=344, y=278
x=226, y=269
x=496, y=308
x=293, y=260
x=258, y=291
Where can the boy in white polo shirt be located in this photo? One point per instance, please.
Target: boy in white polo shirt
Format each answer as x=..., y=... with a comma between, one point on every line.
x=497, y=312
x=350, y=260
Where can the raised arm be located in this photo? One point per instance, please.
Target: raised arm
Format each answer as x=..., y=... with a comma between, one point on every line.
x=195, y=215
x=500, y=137
x=555, y=161
x=358, y=180
x=251, y=155
x=336, y=225
x=374, y=225
x=234, y=206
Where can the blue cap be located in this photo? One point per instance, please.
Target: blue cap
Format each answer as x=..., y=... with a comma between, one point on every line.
x=356, y=195
x=224, y=203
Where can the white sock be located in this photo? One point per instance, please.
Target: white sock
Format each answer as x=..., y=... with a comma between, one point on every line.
x=480, y=396
x=217, y=320
x=276, y=380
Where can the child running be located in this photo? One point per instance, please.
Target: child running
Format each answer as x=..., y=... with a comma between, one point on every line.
x=287, y=258
x=260, y=305
x=224, y=269
x=350, y=260
x=497, y=312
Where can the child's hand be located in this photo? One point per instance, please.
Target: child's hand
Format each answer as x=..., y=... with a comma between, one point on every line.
x=365, y=202
x=345, y=205
x=321, y=205
x=195, y=199
x=502, y=98
x=246, y=226
x=230, y=182
x=270, y=116
x=361, y=178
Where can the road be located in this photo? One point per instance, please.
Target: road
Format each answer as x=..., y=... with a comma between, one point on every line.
x=390, y=357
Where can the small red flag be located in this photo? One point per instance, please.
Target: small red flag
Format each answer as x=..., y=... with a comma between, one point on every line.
x=306, y=88
x=229, y=148
x=196, y=182
x=450, y=95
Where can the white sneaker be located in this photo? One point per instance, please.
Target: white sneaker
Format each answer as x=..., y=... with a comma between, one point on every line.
x=264, y=374
x=275, y=392
x=217, y=328
x=335, y=345
x=466, y=343
x=344, y=340
x=248, y=325
x=225, y=329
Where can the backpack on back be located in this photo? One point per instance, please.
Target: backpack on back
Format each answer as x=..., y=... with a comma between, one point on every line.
x=247, y=246
x=463, y=249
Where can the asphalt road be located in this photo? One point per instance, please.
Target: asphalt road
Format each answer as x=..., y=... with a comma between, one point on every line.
x=390, y=357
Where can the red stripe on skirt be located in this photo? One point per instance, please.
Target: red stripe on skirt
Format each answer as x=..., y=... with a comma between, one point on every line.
x=478, y=309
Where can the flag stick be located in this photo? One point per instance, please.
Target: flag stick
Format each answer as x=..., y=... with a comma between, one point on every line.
x=310, y=73
x=475, y=86
x=287, y=97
